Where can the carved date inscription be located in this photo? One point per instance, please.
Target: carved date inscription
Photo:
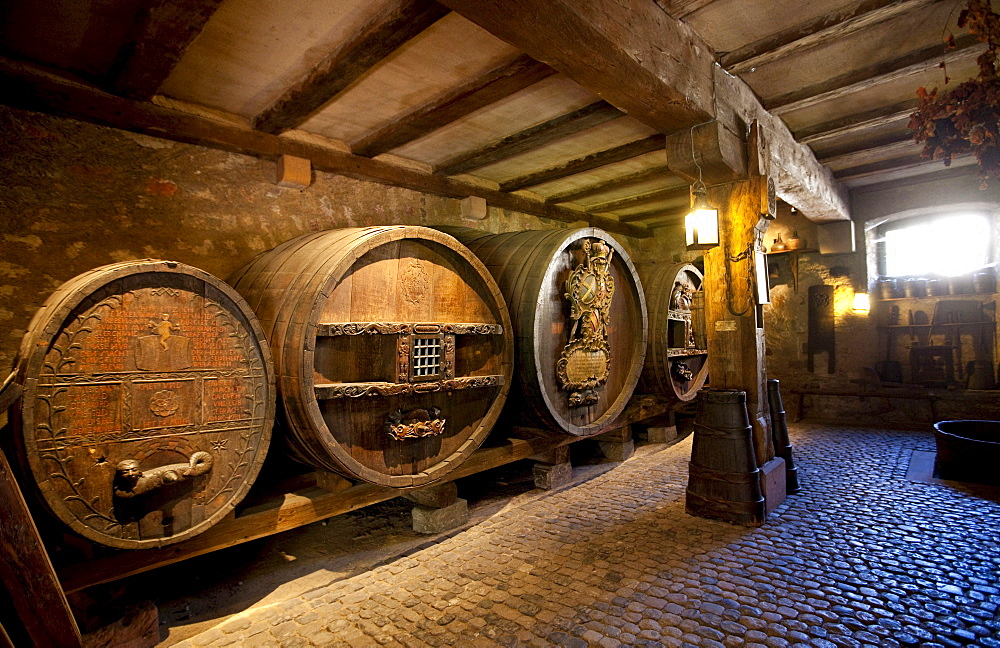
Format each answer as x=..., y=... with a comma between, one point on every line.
x=151, y=376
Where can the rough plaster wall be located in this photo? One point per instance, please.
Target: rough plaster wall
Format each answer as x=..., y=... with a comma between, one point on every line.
x=76, y=196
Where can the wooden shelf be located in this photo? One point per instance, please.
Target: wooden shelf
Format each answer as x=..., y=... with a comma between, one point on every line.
x=960, y=295
x=800, y=251
x=906, y=326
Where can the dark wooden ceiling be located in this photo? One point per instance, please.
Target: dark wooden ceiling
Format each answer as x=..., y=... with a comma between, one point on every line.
x=429, y=96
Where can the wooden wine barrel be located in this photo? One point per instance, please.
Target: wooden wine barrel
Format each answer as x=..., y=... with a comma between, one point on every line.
x=148, y=402
x=579, y=319
x=677, y=359
x=393, y=349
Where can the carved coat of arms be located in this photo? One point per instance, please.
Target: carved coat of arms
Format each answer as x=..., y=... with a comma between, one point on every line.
x=585, y=361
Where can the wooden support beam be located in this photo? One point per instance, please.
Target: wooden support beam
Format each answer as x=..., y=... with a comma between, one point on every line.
x=504, y=80
x=836, y=24
x=632, y=54
x=716, y=155
x=612, y=184
x=586, y=163
x=28, y=87
x=680, y=8
x=531, y=138
x=800, y=179
x=681, y=194
x=397, y=23
x=160, y=35
x=900, y=147
x=856, y=123
x=736, y=332
x=967, y=46
x=908, y=163
x=661, y=215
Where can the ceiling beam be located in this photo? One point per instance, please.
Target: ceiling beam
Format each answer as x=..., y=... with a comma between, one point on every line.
x=160, y=35
x=836, y=24
x=586, y=163
x=531, y=138
x=878, y=168
x=672, y=193
x=680, y=8
x=856, y=123
x=500, y=82
x=397, y=23
x=620, y=182
x=668, y=213
x=899, y=147
x=877, y=73
x=31, y=88
x=632, y=54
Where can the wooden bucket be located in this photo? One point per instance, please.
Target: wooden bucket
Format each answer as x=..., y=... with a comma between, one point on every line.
x=724, y=482
x=579, y=318
x=393, y=349
x=148, y=402
x=676, y=365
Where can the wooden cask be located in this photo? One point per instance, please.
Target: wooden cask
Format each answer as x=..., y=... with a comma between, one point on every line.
x=148, y=402
x=392, y=345
x=676, y=364
x=579, y=319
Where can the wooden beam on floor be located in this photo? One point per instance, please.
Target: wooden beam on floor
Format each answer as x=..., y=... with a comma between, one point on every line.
x=900, y=147
x=586, y=163
x=504, y=80
x=836, y=24
x=534, y=137
x=633, y=55
x=856, y=123
x=672, y=193
x=160, y=35
x=611, y=184
x=967, y=46
x=395, y=24
x=28, y=87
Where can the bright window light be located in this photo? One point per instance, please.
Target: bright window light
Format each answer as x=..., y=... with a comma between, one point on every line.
x=944, y=246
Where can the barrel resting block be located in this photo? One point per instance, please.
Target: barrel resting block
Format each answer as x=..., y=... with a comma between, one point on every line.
x=438, y=520
x=617, y=445
x=772, y=482
x=550, y=476
x=662, y=434
x=437, y=496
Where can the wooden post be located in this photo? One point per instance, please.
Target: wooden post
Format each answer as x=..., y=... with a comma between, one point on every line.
x=735, y=323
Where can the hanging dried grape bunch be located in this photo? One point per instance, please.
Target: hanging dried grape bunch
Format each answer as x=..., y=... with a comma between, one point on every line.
x=966, y=119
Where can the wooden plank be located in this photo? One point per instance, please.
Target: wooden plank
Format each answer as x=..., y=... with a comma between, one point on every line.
x=397, y=23
x=620, y=182
x=27, y=573
x=861, y=79
x=283, y=513
x=586, y=163
x=506, y=79
x=530, y=138
x=896, y=164
x=680, y=8
x=28, y=87
x=900, y=168
x=660, y=216
x=900, y=146
x=633, y=55
x=670, y=193
x=836, y=24
x=158, y=39
x=856, y=123
x=10, y=391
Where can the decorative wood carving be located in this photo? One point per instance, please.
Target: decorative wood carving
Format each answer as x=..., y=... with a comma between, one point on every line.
x=406, y=328
x=415, y=424
x=585, y=361
x=358, y=390
x=140, y=376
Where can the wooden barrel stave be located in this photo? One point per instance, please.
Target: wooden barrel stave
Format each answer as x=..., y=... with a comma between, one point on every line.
x=531, y=269
x=376, y=275
x=99, y=337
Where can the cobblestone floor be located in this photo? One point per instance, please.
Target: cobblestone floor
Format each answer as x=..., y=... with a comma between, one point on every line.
x=863, y=557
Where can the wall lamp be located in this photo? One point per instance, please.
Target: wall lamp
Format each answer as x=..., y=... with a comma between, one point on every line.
x=701, y=225
x=861, y=303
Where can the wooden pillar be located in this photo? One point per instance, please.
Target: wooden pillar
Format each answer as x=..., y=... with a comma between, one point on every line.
x=735, y=326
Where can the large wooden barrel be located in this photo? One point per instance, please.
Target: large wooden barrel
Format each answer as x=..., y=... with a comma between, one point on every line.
x=392, y=345
x=677, y=359
x=148, y=402
x=579, y=319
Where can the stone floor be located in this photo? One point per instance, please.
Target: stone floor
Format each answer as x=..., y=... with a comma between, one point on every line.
x=862, y=557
